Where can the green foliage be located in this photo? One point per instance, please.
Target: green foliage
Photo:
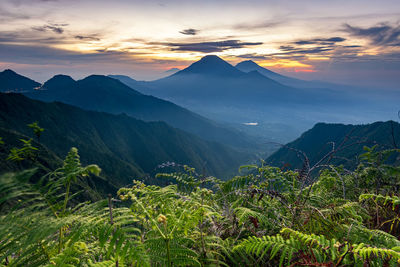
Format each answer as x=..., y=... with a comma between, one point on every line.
x=37, y=130
x=295, y=248
x=265, y=217
x=123, y=146
x=27, y=151
x=349, y=142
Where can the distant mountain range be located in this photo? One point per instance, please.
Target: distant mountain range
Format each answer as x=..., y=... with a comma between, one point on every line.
x=124, y=147
x=249, y=93
x=254, y=100
x=249, y=66
x=212, y=80
x=101, y=93
x=318, y=141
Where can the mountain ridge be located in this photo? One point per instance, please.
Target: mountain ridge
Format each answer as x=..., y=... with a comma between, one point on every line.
x=10, y=81
x=125, y=147
x=317, y=141
x=210, y=65
x=102, y=93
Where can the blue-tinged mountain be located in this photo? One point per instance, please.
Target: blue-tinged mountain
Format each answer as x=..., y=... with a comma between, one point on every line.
x=212, y=80
x=132, y=83
x=101, y=93
x=249, y=66
x=171, y=71
x=216, y=89
x=11, y=81
x=124, y=147
x=348, y=139
x=372, y=98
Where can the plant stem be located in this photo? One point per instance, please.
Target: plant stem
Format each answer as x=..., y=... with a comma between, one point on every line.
x=66, y=197
x=167, y=240
x=60, y=235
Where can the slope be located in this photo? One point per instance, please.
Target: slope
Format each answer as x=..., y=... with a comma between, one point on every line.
x=317, y=142
x=214, y=88
x=101, y=93
x=11, y=81
x=45, y=161
x=126, y=148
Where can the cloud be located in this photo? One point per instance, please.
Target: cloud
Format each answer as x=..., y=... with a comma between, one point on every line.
x=302, y=53
x=25, y=37
x=189, y=31
x=87, y=38
x=288, y=49
x=43, y=55
x=252, y=56
x=321, y=41
x=209, y=47
x=259, y=25
x=57, y=28
x=29, y=2
x=381, y=34
x=11, y=16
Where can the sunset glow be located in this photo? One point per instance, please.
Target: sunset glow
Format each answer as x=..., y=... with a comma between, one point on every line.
x=144, y=38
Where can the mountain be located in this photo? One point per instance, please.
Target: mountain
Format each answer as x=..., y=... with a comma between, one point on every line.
x=214, y=88
x=211, y=80
x=171, y=71
x=249, y=65
x=101, y=93
x=210, y=65
x=132, y=83
x=124, y=147
x=11, y=81
x=317, y=142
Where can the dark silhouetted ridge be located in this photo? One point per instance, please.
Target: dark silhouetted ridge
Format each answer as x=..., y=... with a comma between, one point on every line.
x=211, y=65
x=102, y=93
x=124, y=147
x=10, y=81
x=59, y=80
x=250, y=65
x=317, y=142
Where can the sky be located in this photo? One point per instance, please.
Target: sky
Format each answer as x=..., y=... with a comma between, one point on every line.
x=344, y=41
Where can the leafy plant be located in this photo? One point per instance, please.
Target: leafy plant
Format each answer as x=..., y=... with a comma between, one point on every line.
x=265, y=217
x=37, y=130
x=27, y=151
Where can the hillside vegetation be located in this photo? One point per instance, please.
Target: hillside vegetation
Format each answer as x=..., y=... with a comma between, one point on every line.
x=124, y=146
x=347, y=141
x=264, y=217
x=105, y=94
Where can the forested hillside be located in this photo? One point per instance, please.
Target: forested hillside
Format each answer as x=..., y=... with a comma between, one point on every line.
x=346, y=141
x=126, y=147
x=105, y=94
x=269, y=217
x=56, y=212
